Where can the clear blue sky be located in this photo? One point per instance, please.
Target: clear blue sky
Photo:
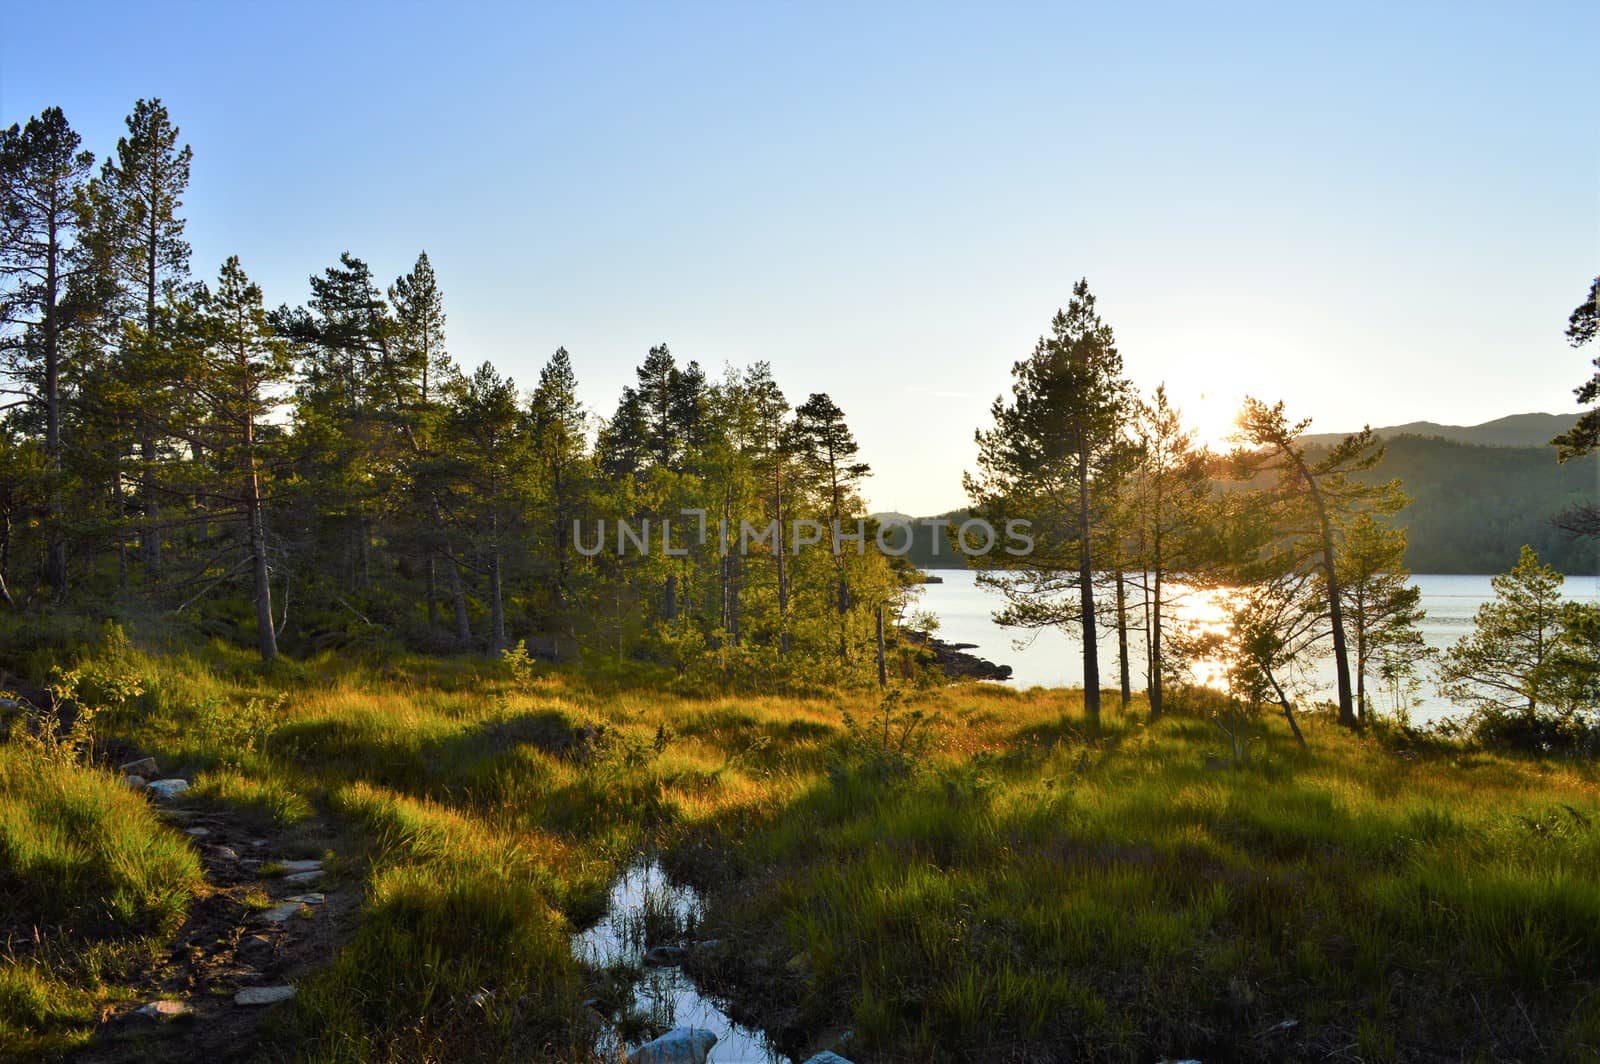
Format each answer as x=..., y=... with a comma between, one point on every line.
x=1378, y=214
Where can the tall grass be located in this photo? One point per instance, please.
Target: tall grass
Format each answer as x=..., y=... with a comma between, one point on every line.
x=88, y=878
x=1010, y=885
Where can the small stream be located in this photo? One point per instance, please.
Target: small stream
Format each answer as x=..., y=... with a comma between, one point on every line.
x=641, y=897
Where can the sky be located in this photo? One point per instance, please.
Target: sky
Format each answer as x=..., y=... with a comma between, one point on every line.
x=1377, y=214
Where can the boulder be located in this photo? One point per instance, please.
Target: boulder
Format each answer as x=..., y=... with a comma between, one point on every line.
x=263, y=995
x=163, y=1010
x=135, y=782
x=144, y=766
x=683, y=1045
x=167, y=788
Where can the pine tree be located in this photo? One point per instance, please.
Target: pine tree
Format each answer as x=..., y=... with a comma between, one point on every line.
x=557, y=425
x=144, y=184
x=1383, y=606
x=43, y=205
x=1048, y=459
x=825, y=454
x=1308, y=496
x=236, y=381
x=1504, y=665
x=1169, y=492
x=487, y=437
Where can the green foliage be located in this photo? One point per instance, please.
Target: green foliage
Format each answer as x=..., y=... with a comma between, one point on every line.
x=889, y=744
x=1521, y=657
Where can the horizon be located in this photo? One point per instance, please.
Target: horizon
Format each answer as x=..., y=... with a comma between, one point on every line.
x=1284, y=204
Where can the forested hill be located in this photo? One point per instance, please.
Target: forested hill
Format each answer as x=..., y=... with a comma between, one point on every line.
x=1472, y=507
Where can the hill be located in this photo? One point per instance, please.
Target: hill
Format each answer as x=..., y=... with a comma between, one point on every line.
x=1515, y=430
x=1472, y=506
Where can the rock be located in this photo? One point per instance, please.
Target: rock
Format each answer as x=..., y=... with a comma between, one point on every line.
x=263, y=995
x=279, y=913
x=299, y=866
x=662, y=956
x=304, y=877
x=827, y=1056
x=136, y=782
x=684, y=1045
x=258, y=842
x=256, y=945
x=225, y=853
x=707, y=945
x=145, y=766
x=8, y=704
x=164, y=1010
x=167, y=788
x=198, y=833
x=249, y=864
x=308, y=899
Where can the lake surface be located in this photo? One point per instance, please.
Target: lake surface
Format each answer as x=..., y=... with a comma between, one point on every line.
x=1052, y=658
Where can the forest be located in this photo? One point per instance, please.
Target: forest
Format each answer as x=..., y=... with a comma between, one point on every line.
x=342, y=676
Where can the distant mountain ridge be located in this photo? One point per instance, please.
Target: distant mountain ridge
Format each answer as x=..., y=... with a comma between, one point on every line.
x=1478, y=493
x=1515, y=430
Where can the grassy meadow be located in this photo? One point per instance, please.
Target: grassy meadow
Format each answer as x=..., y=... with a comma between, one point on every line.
x=954, y=873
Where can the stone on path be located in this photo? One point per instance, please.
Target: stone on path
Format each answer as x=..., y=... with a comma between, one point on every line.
x=316, y=898
x=308, y=876
x=299, y=866
x=683, y=1045
x=167, y=788
x=279, y=913
x=263, y=995
x=144, y=766
x=198, y=833
x=164, y=1010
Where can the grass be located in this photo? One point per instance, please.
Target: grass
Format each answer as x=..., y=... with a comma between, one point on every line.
x=88, y=879
x=1001, y=886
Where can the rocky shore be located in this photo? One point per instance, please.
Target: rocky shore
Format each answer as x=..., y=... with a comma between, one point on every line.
x=955, y=662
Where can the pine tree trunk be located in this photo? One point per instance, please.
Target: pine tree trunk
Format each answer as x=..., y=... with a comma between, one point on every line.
x=151, y=540
x=1341, y=653
x=433, y=591
x=1155, y=648
x=780, y=550
x=883, y=665
x=267, y=636
x=1122, y=639
x=56, y=550
x=1091, y=649
x=458, y=595
x=497, y=606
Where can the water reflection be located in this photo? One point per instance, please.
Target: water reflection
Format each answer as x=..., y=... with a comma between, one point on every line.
x=664, y=995
x=1053, y=658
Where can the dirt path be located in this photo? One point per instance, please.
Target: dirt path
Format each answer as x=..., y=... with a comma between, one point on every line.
x=265, y=919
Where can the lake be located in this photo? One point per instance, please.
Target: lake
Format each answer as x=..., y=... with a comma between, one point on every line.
x=1052, y=658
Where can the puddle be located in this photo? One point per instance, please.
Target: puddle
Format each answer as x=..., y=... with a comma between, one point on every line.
x=643, y=897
